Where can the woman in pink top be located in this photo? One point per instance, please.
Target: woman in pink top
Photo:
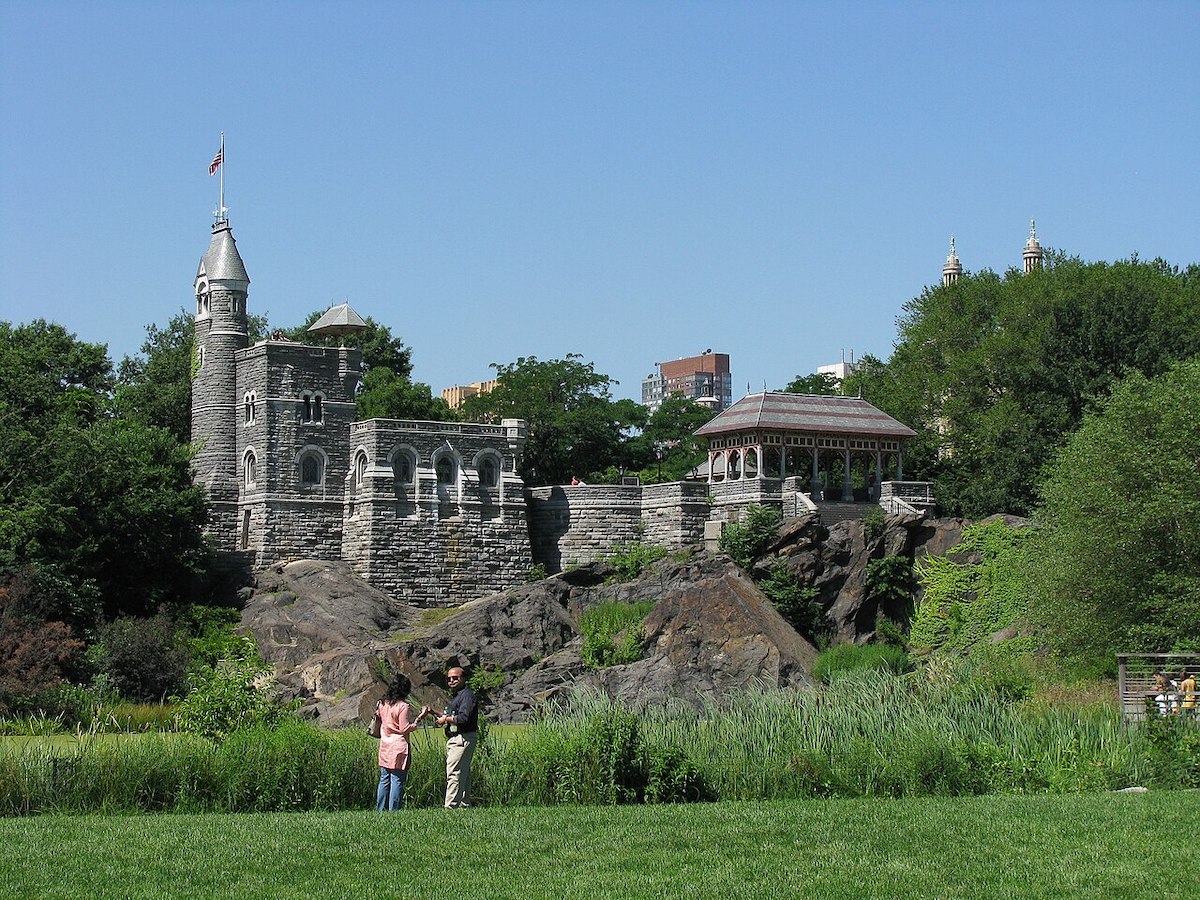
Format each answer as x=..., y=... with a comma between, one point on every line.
x=397, y=723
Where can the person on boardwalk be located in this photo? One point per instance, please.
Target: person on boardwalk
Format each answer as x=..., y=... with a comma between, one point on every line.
x=396, y=723
x=1162, y=693
x=1187, y=692
x=461, y=721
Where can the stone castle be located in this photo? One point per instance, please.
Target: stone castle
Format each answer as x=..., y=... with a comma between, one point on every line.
x=435, y=512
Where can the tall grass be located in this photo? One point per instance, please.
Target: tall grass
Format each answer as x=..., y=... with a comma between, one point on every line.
x=868, y=734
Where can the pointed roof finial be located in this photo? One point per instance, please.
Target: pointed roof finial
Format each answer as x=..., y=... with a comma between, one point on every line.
x=1032, y=230
x=953, y=255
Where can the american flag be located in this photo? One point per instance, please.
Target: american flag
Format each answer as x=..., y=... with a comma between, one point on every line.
x=216, y=163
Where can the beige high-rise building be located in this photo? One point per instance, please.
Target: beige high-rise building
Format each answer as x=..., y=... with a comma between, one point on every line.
x=454, y=396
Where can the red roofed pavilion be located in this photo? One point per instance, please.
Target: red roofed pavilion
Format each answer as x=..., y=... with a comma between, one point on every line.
x=777, y=435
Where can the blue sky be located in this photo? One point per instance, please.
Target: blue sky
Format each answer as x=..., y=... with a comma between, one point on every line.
x=633, y=182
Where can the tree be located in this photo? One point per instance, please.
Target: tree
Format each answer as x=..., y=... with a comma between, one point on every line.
x=101, y=508
x=994, y=372
x=155, y=387
x=669, y=439
x=386, y=395
x=821, y=383
x=575, y=428
x=1120, y=563
x=378, y=346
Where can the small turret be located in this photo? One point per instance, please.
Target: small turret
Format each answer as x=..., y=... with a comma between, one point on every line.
x=953, y=268
x=1033, y=250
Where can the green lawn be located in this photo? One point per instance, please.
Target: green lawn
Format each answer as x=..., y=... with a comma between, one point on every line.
x=1095, y=845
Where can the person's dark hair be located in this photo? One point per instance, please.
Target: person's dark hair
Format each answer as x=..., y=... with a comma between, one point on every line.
x=398, y=689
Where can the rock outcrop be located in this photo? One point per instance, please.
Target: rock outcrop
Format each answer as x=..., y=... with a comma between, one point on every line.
x=711, y=630
x=834, y=561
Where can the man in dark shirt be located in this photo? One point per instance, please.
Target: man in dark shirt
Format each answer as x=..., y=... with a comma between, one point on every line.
x=461, y=721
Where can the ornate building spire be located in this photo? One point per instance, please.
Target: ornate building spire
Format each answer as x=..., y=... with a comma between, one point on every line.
x=1033, y=250
x=953, y=268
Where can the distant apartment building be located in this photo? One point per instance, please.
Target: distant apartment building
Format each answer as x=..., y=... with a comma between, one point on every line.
x=454, y=396
x=839, y=370
x=704, y=378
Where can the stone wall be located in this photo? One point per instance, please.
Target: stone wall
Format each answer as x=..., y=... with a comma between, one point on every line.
x=574, y=524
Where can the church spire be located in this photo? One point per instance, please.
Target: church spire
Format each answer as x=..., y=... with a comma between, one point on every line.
x=953, y=268
x=1033, y=250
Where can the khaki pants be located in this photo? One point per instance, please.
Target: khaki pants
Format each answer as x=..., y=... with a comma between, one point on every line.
x=459, y=750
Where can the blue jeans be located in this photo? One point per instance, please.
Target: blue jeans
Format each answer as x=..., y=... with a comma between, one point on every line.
x=390, y=793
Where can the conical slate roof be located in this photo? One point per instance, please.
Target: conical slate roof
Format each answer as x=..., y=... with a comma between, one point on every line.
x=338, y=320
x=222, y=262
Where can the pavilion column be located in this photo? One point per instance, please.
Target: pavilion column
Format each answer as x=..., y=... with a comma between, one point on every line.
x=815, y=485
x=878, y=473
x=900, y=465
x=847, y=484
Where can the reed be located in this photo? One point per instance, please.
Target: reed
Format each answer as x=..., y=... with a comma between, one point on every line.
x=868, y=734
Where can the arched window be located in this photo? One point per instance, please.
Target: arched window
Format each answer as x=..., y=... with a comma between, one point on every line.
x=200, y=357
x=487, y=465
x=250, y=468
x=310, y=408
x=404, y=467
x=360, y=470
x=249, y=402
x=445, y=470
x=310, y=465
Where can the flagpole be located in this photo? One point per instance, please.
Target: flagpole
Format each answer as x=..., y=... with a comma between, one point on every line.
x=221, y=203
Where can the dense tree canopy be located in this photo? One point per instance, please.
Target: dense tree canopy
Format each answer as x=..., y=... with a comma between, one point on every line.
x=575, y=427
x=102, y=507
x=821, y=383
x=1119, y=568
x=668, y=444
x=995, y=372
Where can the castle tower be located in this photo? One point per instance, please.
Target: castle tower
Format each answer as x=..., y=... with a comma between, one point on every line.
x=220, y=321
x=1033, y=250
x=953, y=268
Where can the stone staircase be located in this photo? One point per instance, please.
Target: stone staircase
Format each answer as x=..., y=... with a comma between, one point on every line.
x=833, y=511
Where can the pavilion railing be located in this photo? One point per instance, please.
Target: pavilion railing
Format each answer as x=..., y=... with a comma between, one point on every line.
x=906, y=496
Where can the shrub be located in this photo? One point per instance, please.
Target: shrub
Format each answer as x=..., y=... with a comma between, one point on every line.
x=890, y=584
x=747, y=540
x=483, y=681
x=238, y=693
x=142, y=659
x=37, y=656
x=613, y=634
x=796, y=603
x=536, y=572
x=874, y=524
x=212, y=631
x=628, y=560
x=855, y=657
